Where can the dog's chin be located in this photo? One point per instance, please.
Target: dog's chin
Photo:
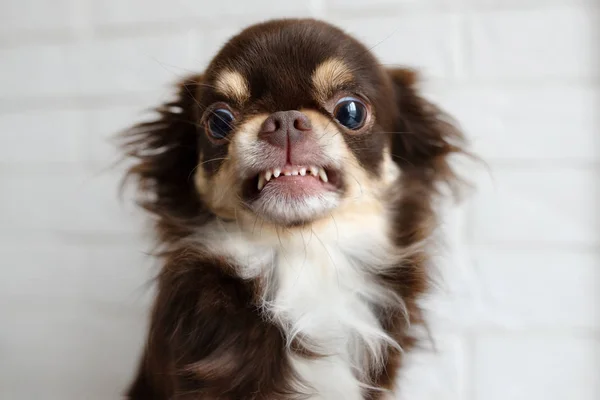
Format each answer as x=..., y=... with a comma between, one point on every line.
x=284, y=210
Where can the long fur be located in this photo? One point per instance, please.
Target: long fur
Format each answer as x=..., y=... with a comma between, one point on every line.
x=323, y=310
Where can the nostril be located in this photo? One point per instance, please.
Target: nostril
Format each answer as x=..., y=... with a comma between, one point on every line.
x=302, y=123
x=270, y=125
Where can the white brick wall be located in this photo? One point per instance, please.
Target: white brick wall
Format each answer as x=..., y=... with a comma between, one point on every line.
x=517, y=314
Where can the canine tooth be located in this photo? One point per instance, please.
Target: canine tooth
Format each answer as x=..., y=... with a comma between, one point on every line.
x=268, y=175
x=314, y=171
x=302, y=171
x=276, y=172
x=261, y=182
x=323, y=175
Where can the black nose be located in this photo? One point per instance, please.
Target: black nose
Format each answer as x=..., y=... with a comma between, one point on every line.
x=285, y=126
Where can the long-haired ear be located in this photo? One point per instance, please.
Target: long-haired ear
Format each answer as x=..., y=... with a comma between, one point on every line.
x=425, y=135
x=165, y=154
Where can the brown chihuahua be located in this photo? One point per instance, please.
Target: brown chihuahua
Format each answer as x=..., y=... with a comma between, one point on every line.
x=292, y=187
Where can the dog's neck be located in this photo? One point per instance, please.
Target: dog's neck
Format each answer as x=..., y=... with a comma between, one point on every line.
x=358, y=231
x=321, y=285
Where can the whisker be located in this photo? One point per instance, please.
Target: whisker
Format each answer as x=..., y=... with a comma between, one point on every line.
x=202, y=84
x=396, y=133
x=214, y=159
x=221, y=119
x=403, y=159
x=370, y=49
x=205, y=162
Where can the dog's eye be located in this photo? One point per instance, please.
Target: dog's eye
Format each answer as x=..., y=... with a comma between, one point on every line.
x=350, y=112
x=220, y=123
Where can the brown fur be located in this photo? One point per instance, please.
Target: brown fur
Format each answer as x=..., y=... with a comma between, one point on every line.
x=208, y=338
x=330, y=75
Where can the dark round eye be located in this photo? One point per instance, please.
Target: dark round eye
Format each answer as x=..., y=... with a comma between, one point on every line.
x=350, y=112
x=220, y=123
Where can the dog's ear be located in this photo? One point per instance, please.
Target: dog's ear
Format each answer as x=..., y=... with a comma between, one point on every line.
x=425, y=136
x=165, y=154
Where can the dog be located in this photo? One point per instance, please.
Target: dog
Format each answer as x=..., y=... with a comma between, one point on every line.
x=292, y=187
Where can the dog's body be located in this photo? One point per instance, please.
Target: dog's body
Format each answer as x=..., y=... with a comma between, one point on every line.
x=293, y=187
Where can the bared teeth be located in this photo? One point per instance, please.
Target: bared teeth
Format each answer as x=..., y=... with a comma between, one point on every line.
x=261, y=181
x=266, y=176
x=323, y=175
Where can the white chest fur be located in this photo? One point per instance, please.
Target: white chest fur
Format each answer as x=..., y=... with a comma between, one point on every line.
x=322, y=297
x=320, y=287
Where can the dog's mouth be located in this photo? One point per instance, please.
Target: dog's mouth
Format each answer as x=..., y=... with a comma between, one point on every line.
x=293, y=182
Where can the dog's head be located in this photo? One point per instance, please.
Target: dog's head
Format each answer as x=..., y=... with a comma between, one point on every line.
x=293, y=121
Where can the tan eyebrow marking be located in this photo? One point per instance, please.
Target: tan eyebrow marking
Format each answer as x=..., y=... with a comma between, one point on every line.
x=233, y=85
x=328, y=76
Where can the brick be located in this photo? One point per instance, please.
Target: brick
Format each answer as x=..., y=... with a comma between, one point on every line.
x=434, y=372
x=104, y=125
x=72, y=273
x=550, y=123
x=146, y=64
x=427, y=42
x=41, y=137
x=132, y=11
x=128, y=271
x=44, y=272
x=551, y=206
x=134, y=64
x=72, y=201
x=529, y=289
x=453, y=302
x=526, y=4
x=36, y=15
x=143, y=64
x=75, y=351
x=402, y=5
x=37, y=71
x=536, y=367
x=537, y=45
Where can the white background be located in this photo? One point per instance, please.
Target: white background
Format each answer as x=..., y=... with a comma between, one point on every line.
x=518, y=315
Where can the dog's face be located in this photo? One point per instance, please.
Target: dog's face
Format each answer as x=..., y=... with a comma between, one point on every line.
x=293, y=121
